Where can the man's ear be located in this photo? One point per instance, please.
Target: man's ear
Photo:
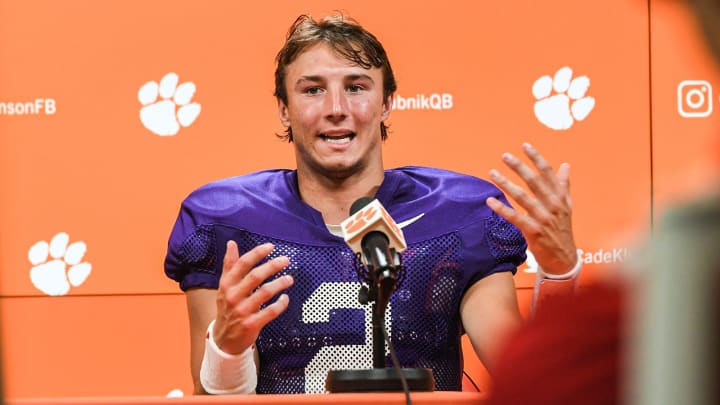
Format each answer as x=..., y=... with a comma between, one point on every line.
x=387, y=107
x=283, y=113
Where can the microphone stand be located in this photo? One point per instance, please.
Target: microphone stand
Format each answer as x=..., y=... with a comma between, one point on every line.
x=379, y=306
x=383, y=282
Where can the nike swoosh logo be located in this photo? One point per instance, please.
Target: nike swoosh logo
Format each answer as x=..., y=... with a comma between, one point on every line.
x=403, y=224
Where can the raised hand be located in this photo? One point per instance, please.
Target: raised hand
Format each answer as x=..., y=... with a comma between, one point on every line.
x=239, y=317
x=547, y=221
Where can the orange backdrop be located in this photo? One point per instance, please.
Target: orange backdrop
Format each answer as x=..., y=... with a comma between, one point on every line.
x=79, y=158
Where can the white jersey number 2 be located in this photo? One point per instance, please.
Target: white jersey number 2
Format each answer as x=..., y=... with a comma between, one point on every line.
x=326, y=298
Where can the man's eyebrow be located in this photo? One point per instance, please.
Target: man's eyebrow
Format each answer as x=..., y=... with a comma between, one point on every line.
x=317, y=79
x=359, y=77
x=309, y=79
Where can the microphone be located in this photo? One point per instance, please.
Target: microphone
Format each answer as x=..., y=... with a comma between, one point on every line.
x=375, y=237
x=377, y=240
x=372, y=232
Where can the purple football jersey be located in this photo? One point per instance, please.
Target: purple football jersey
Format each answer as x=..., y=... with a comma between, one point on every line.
x=454, y=241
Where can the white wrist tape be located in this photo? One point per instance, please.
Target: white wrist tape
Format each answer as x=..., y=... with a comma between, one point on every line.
x=572, y=274
x=222, y=373
x=547, y=285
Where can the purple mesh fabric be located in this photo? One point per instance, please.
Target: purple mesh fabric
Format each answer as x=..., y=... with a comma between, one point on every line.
x=455, y=242
x=198, y=249
x=326, y=328
x=505, y=239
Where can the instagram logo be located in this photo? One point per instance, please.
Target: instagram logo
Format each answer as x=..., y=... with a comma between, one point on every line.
x=694, y=98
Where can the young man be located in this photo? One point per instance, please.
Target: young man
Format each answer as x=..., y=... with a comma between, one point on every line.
x=285, y=294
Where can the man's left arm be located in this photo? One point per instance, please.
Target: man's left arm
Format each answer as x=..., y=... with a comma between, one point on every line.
x=489, y=312
x=546, y=222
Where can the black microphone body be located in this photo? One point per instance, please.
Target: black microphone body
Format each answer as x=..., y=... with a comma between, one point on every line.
x=377, y=241
x=382, y=263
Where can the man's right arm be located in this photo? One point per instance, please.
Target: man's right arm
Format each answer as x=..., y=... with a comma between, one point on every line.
x=202, y=309
x=218, y=358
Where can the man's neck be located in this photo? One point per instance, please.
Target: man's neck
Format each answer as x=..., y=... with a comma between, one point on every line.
x=334, y=197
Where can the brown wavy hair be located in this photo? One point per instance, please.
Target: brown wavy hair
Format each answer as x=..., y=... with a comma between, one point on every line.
x=346, y=37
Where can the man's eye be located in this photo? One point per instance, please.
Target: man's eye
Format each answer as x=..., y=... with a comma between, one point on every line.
x=354, y=88
x=313, y=90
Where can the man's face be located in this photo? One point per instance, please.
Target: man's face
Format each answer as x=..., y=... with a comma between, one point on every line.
x=334, y=109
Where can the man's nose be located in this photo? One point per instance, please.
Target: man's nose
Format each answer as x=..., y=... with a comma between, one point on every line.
x=336, y=105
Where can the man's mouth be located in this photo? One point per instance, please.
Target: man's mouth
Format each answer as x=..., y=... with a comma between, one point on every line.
x=338, y=138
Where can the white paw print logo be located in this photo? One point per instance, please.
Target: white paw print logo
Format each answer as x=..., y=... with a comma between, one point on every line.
x=176, y=393
x=50, y=261
x=567, y=105
x=531, y=263
x=165, y=117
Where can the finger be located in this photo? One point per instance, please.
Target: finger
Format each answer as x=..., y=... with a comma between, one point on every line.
x=231, y=254
x=259, y=274
x=511, y=215
x=235, y=268
x=527, y=225
x=535, y=182
x=516, y=192
x=261, y=318
x=265, y=292
x=563, y=176
x=230, y=258
x=542, y=165
x=503, y=210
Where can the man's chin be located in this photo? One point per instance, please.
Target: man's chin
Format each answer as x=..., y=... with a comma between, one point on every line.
x=339, y=171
